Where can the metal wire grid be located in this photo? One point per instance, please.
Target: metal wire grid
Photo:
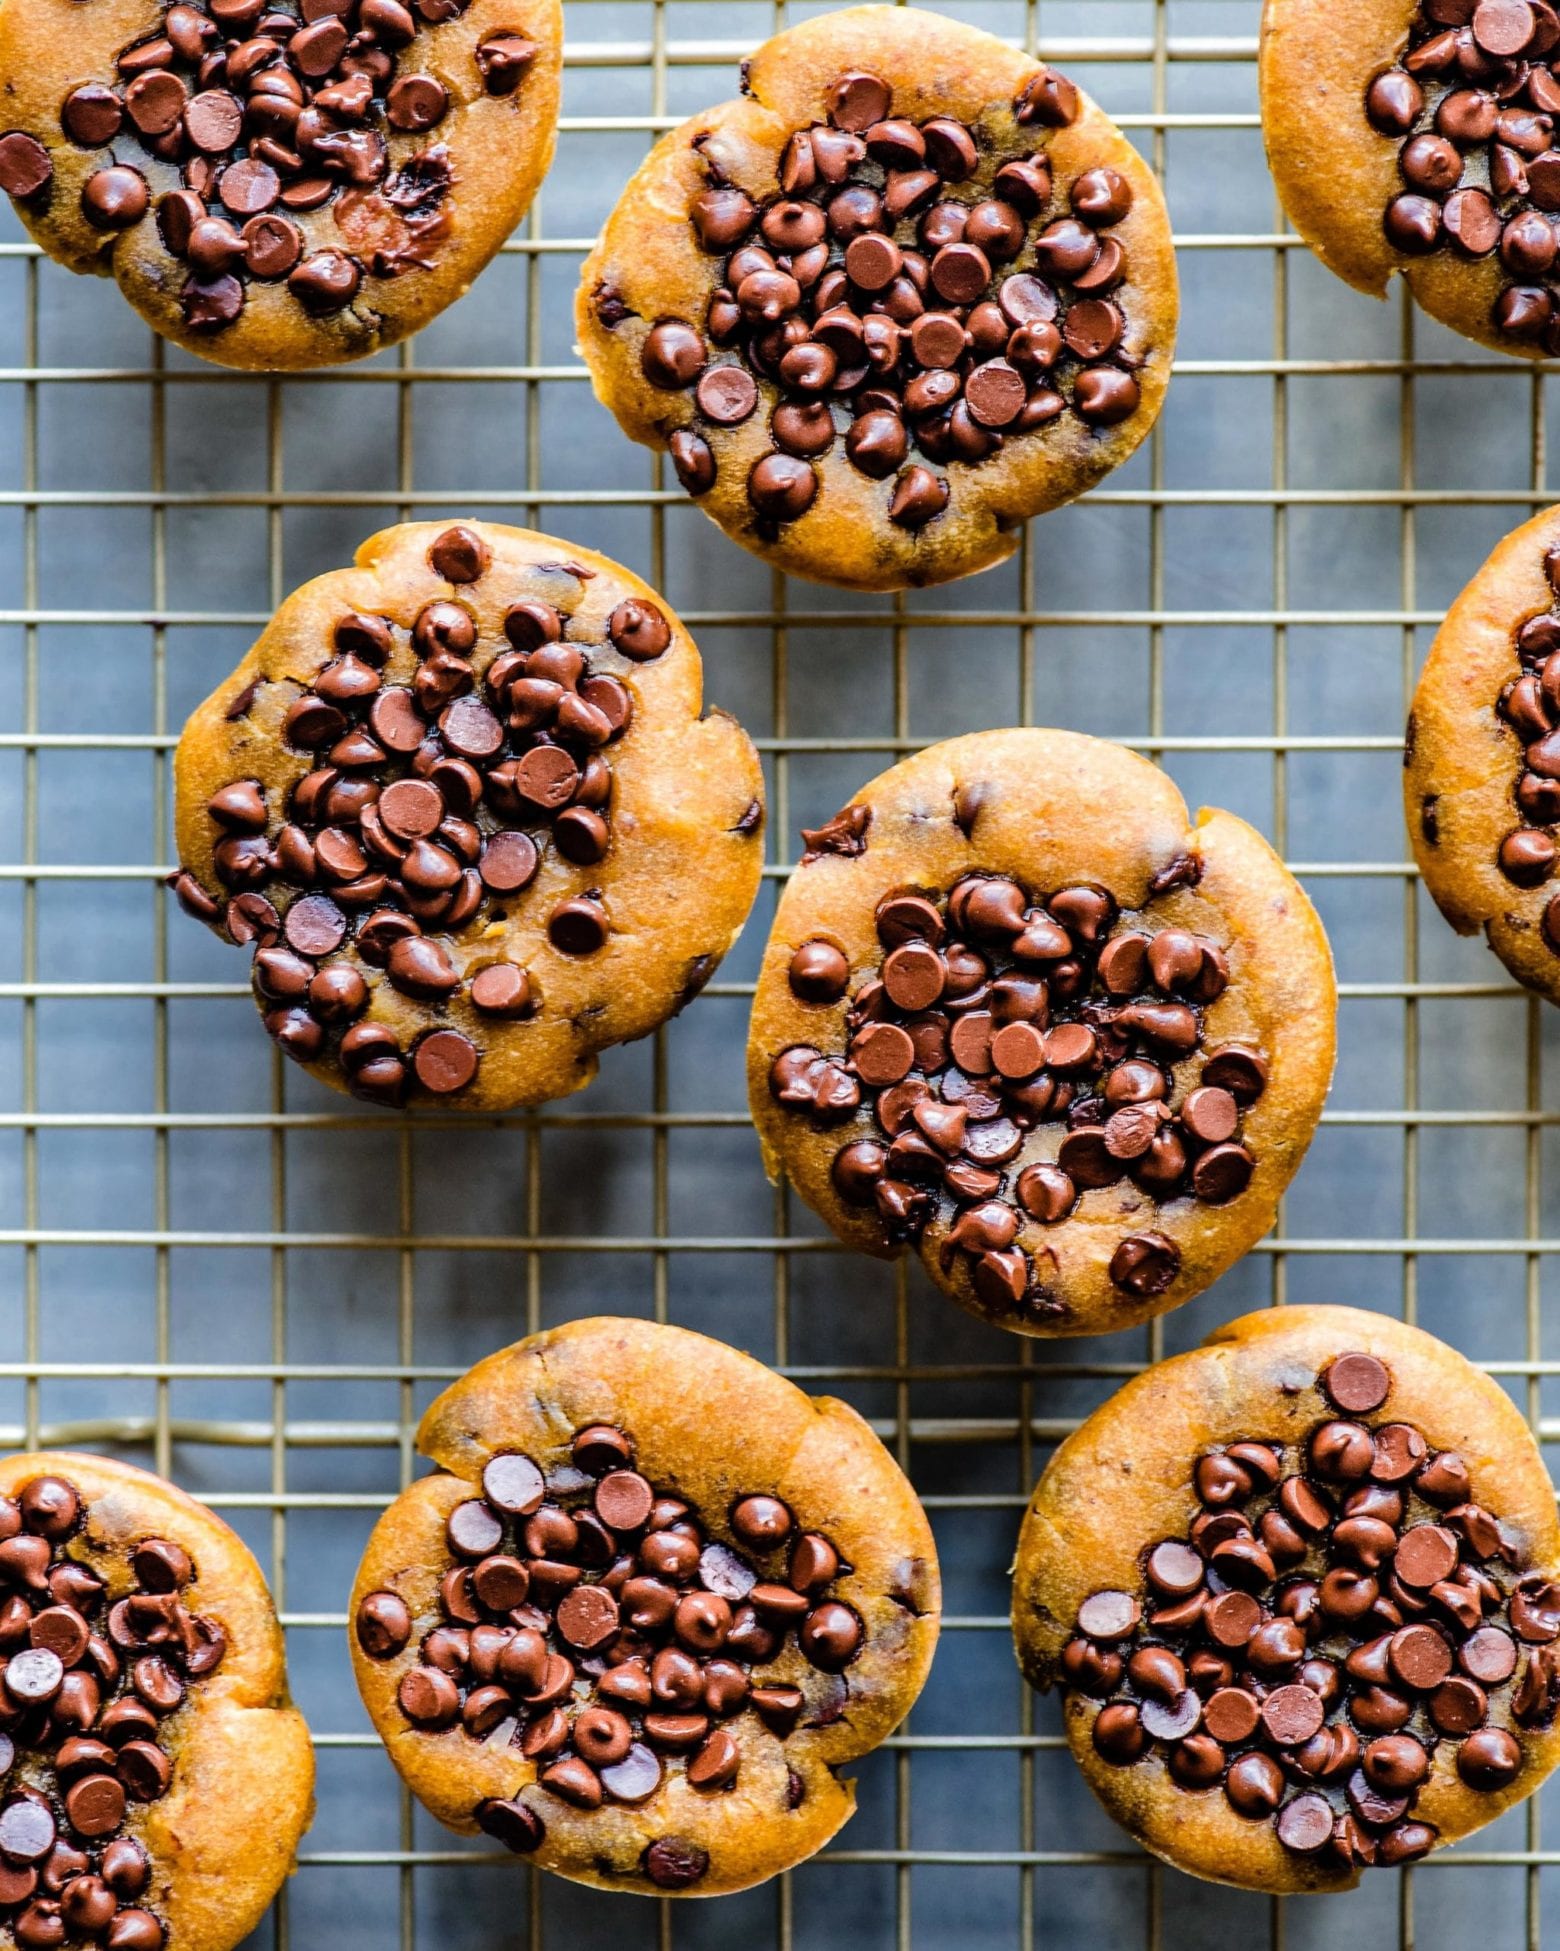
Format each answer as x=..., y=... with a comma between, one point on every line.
x=971, y=1829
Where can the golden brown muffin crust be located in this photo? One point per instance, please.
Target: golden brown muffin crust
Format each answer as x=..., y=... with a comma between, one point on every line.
x=419, y=229
x=709, y=1426
x=1055, y=810
x=239, y=1748
x=648, y=266
x=1336, y=173
x=682, y=811
x=1124, y=1480
x=1463, y=757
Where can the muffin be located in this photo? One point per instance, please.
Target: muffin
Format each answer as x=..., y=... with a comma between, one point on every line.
x=1022, y=1015
x=1481, y=779
x=1299, y=1590
x=466, y=809
x=650, y=1603
x=1413, y=137
x=277, y=184
x=144, y=1717
x=910, y=289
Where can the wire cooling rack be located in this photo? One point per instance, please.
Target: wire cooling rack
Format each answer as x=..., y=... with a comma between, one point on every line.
x=212, y=1265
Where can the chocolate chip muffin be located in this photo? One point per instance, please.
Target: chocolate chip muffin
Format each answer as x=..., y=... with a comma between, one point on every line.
x=1299, y=1589
x=278, y=183
x=144, y=1718
x=464, y=807
x=649, y=1605
x=911, y=289
x=1416, y=136
x=1481, y=784
x=1020, y=1014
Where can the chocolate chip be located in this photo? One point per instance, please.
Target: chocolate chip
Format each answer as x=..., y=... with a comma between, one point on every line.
x=672, y=356
x=27, y=1830
x=1108, y=1615
x=503, y=60
x=248, y=187
x=1118, y=1734
x=419, y=967
x=512, y=1823
x=1105, y=396
x=919, y=496
x=272, y=246
x=416, y=103
x=325, y=282
x=782, y=487
x=1356, y=1383
x=115, y=198
x=818, y=972
x=92, y=116
x=726, y=394
x=384, y=1625
x=672, y=1864
x=459, y=555
x=639, y=630
x=213, y=120
x=1305, y=1825
x=577, y=927
x=1145, y=1265
x=445, y=1061
x=1049, y=99
x=694, y=462
x=623, y=1500
x=1490, y=1758
x=859, y=99
x=211, y=303
x=512, y=1483
x=428, y=1698
x=1222, y=1174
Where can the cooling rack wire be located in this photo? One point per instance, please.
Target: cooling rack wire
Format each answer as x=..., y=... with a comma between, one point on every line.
x=191, y=1270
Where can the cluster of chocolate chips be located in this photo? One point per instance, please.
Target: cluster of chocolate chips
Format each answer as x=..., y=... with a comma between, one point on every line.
x=1530, y=705
x=88, y=1689
x=414, y=818
x=1329, y=1621
x=994, y=1014
x=911, y=286
x=1473, y=101
x=266, y=109
x=594, y=1622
